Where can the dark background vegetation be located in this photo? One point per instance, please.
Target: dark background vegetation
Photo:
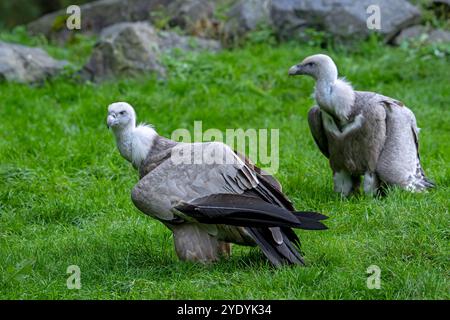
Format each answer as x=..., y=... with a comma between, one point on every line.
x=16, y=12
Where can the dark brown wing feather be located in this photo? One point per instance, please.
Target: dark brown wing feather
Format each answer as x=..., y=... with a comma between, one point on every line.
x=248, y=211
x=262, y=175
x=317, y=130
x=268, y=224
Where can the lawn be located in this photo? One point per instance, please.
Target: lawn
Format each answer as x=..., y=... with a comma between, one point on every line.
x=65, y=190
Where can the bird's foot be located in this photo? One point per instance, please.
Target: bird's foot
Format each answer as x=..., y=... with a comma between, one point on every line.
x=343, y=183
x=224, y=249
x=371, y=183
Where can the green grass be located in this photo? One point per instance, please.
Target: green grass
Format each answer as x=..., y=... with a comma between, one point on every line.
x=65, y=190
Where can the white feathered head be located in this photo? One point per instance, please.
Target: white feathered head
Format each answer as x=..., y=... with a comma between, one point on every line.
x=120, y=115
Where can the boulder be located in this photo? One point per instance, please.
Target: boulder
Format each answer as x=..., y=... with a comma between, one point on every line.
x=95, y=16
x=247, y=15
x=129, y=49
x=439, y=36
x=24, y=64
x=195, y=17
x=171, y=40
x=125, y=49
x=344, y=19
x=187, y=14
x=423, y=34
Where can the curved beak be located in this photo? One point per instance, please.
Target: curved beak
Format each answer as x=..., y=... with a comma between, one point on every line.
x=111, y=121
x=295, y=70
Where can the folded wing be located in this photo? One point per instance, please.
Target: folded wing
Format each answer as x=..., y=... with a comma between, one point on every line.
x=227, y=192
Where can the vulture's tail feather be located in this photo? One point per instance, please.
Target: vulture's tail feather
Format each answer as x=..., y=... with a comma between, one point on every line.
x=269, y=225
x=279, y=253
x=292, y=236
x=419, y=182
x=245, y=211
x=310, y=215
x=310, y=222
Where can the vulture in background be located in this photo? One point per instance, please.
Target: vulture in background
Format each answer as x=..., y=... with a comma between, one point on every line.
x=208, y=195
x=362, y=133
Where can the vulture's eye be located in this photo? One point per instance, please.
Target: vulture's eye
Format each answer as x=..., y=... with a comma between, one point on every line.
x=310, y=64
x=122, y=113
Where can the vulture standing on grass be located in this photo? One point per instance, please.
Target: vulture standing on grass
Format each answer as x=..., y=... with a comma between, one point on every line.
x=208, y=195
x=362, y=133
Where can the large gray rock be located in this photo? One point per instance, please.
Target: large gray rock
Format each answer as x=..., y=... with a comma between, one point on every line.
x=171, y=40
x=199, y=18
x=188, y=14
x=24, y=64
x=129, y=49
x=125, y=49
x=247, y=15
x=344, y=19
x=439, y=36
x=423, y=34
x=95, y=16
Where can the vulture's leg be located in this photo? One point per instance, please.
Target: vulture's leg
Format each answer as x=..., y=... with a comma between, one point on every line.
x=192, y=243
x=343, y=183
x=371, y=183
x=224, y=249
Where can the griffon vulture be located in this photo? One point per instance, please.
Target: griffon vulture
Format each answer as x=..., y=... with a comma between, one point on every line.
x=208, y=195
x=362, y=133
